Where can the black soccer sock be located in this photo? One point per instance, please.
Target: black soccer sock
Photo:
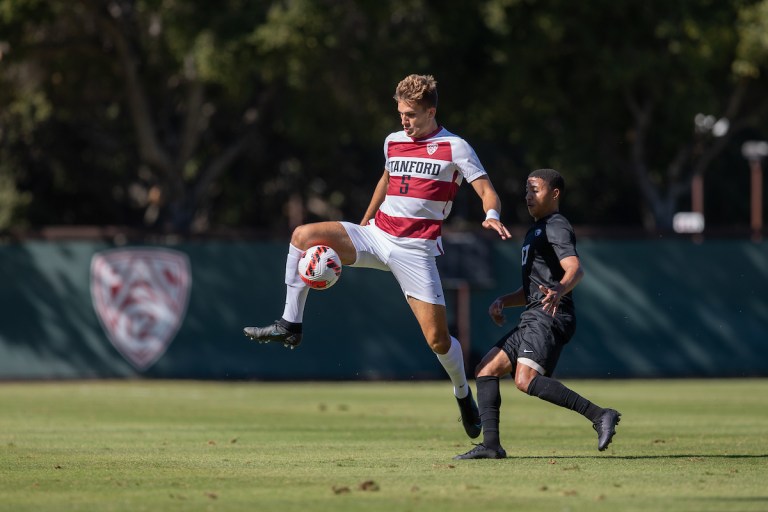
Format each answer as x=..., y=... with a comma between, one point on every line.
x=291, y=327
x=555, y=392
x=489, y=403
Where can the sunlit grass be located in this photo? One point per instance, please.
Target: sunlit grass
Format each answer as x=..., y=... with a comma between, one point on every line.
x=159, y=445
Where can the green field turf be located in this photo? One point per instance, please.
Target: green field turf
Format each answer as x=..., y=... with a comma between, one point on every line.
x=694, y=445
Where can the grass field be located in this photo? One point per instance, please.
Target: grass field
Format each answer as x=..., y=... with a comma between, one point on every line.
x=693, y=445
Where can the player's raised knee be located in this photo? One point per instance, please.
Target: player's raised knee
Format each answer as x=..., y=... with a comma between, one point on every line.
x=302, y=236
x=522, y=381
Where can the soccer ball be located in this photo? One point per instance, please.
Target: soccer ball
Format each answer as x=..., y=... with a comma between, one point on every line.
x=319, y=267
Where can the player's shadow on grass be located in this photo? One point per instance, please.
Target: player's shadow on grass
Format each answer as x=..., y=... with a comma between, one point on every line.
x=641, y=457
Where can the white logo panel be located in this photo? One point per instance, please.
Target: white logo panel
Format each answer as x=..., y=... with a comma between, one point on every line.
x=140, y=297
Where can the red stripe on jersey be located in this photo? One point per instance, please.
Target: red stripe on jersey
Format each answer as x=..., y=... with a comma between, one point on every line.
x=404, y=227
x=417, y=149
x=421, y=188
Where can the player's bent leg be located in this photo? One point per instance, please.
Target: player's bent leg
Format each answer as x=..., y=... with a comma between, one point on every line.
x=433, y=320
x=434, y=325
x=524, y=374
x=288, y=329
x=604, y=421
x=331, y=234
x=453, y=363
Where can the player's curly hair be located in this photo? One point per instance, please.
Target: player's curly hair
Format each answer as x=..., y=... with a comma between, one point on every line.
x=417, y=89
x=553, y=178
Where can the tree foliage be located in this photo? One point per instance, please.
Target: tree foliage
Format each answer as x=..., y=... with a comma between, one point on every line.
x=188, y=116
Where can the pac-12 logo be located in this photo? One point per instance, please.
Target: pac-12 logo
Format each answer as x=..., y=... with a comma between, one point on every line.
x=431, y=148
x=140, y=297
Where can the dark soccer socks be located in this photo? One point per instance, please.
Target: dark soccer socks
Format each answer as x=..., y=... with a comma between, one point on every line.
x=555, y=392
x=604, y=421
x=489, y=405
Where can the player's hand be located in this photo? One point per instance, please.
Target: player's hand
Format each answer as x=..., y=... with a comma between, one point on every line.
x=498, y=227
x=551, y=298
x=495, y=310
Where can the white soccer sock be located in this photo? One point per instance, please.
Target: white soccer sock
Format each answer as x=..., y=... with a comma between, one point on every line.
x=453, y=362
x=295, y=289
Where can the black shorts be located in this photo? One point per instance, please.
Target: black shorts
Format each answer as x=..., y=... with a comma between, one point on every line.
x=539, y=338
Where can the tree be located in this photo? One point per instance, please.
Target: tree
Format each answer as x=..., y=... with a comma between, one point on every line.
x=618, y=87
x=180, y=116
x=162, y=96
x=189, y=52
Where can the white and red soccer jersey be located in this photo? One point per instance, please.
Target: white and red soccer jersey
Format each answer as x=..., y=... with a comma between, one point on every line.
x=424, y=176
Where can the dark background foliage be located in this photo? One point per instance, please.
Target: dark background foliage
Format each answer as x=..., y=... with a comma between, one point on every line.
x=193, y=117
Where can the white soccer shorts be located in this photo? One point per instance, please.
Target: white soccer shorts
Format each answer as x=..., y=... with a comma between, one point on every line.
x=414, y=268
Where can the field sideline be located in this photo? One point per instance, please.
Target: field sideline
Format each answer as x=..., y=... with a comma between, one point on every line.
x=682, y=445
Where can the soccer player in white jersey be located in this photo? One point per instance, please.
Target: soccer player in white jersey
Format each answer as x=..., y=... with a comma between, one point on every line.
x=400, y=231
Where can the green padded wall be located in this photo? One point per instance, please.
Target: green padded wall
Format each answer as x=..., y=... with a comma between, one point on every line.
x=664, y=308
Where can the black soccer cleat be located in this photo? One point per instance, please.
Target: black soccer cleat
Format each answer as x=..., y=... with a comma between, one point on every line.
x=274, y=333
x=605, y=427
x=470, y=416
x=480, y=451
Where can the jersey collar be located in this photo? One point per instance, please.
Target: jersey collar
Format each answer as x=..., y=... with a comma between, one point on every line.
x=428, y=136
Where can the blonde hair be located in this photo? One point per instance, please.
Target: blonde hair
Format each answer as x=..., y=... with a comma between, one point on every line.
x=417, y=89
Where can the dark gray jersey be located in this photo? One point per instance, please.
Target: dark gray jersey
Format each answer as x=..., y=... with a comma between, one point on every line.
x=547, y=242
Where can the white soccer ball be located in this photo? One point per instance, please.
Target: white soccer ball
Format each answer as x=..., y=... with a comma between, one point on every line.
x=319, y=267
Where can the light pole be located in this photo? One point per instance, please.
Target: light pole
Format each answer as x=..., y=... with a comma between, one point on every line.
x=693, y=221
x=754, y=151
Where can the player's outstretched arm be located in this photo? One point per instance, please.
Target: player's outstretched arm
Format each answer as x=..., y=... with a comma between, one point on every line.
x=379, y=194
x=572, y=276
x=484, y=188
x=496, y=309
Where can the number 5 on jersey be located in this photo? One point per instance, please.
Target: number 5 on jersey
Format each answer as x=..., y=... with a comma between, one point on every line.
x=404, y=179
